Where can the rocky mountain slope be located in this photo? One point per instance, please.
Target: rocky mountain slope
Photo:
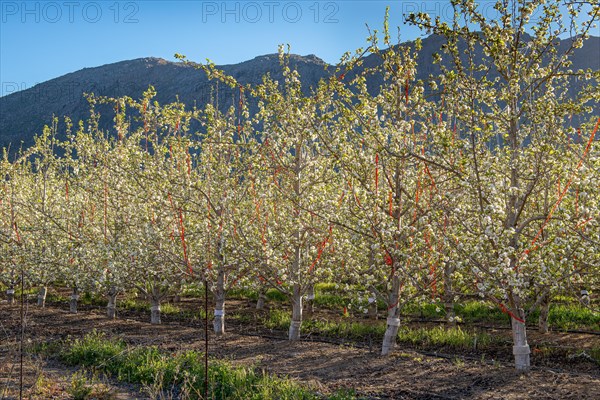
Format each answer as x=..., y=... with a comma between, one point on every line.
x=23, y=114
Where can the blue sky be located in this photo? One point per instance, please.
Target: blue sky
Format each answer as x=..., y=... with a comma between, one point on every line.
x=41, y=40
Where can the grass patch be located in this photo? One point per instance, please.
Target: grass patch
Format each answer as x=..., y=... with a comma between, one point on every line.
x=275, y=295
x=562, y=315
x=326, y=287
x=93, y=350
x=243, y=293
x=280, y=320
x=569, y=316
x=453, y=338
x=56, y=298
x=131, y=304
x=93, y=299
x=185, y=371
x=192, y=290
x=480, y=311
x=333, y=297
x=344, y=329
x=331, y=301
x=249, y=294
x=277, y=319
x=470, y=311
x=168, y=309
x=425, y=310
x=83, y=387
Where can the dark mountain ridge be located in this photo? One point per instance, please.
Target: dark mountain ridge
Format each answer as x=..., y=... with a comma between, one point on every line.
x=23, y=114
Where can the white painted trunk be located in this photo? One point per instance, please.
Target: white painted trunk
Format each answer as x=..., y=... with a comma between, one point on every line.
x=155, y=311
x=155, y=299
x=372, y=308
x=296, y=323
x=521, y=349
x=450, y=314
x=177, y=296
x=219, y=294
x=219, y=321
x=585, y=297
x=73, y=302
x=543, y=319
x=393, y=322
x=260, y=303
x=111, y=308
x=41, y=302
x=10, y=295
x=449, y=297
x=389, y=339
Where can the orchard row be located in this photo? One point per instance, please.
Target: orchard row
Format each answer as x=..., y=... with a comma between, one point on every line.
x=483, y=188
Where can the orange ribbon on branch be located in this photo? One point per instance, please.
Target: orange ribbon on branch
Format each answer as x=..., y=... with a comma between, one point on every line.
x=179, y=218
x=561, y=194
x=505, y=310
x=321, y=248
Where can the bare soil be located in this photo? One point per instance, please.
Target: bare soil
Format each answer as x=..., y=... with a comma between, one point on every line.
x=323, y=364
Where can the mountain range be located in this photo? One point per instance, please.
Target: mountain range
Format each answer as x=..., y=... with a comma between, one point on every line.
x=23, y=114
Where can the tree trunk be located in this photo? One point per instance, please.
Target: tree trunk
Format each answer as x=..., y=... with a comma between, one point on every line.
x=296, y=322
x=111, y=308
x=310, y=300
x=295, y=325
x=74, y=299
x=449, y=297
x=372, y=308
x=155, y=298
x=10, y=294
x=260, y=303
x=393, y=322
x=544, y=311
x=177, y=296
x=585, y=297
x=42, y=296
x=521, y=349
x=219, y=321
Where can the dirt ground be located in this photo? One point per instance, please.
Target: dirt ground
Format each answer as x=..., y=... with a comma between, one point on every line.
x=324, y=366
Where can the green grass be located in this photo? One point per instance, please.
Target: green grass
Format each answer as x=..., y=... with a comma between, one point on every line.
x=326, y=287
x=454, y=338
x=570, y=316
x=192, y=290
x=150, y=366
x=329, y=295
x=277, y=319
x=425, y=310
x=93, y=299
x=479, y=311
x=93, y=350
x=275, y=295
x=331, y=301
x=166, y=309
x=243, y=293
x=343, y=329
x=134, y=305
x=55, y=298
x=563, y=315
